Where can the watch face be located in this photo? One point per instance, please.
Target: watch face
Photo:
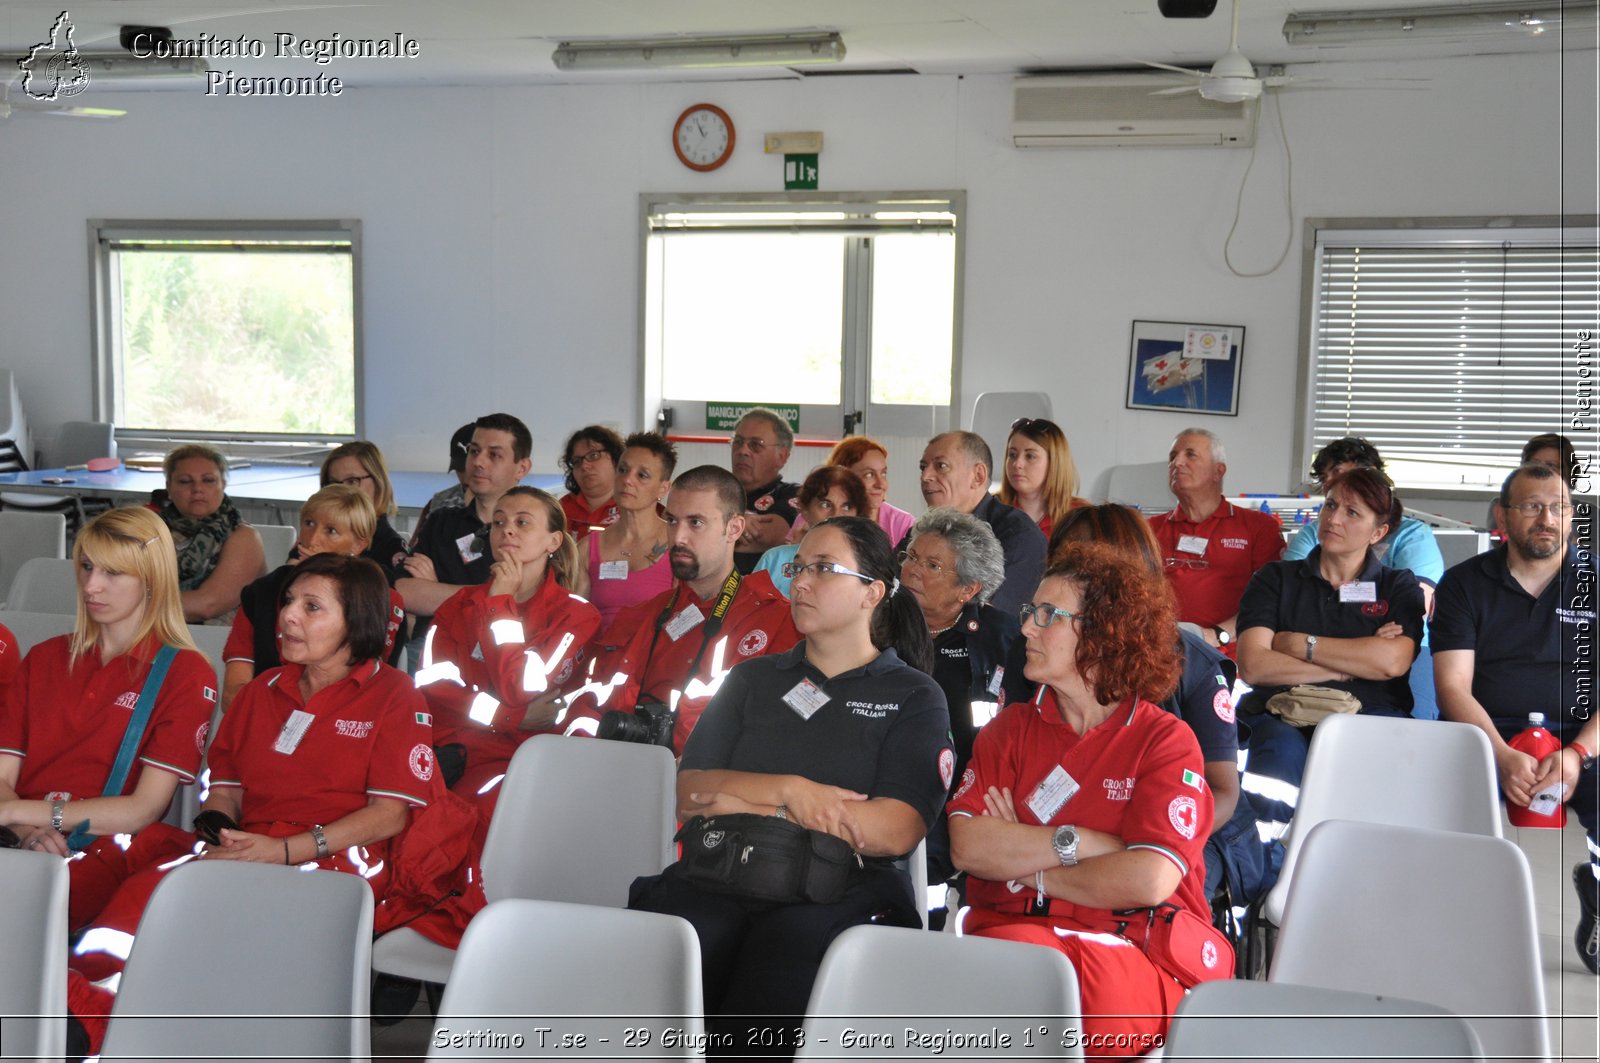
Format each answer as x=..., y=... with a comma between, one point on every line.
x=703, y=137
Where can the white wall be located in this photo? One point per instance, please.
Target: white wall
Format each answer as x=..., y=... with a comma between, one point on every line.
x=501, y=267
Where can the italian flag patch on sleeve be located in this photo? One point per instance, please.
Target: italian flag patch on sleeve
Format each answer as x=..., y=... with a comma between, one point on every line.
x=426, y=719
x=1193, y=779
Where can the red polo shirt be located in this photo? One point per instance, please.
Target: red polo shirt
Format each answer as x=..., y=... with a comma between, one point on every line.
x=635, y=660
x=1138, y=775
x=486, y=659
x=368, y=735
x=581, y=520
x=1210, y=562
x=10, y=661
x=66, y=724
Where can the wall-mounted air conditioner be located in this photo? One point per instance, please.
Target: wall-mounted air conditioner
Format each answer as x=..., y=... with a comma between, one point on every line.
x=1117, y=109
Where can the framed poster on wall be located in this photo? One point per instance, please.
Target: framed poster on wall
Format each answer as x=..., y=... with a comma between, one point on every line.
x=1185, y=367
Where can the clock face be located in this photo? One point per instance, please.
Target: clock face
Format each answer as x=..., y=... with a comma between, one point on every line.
x=703, y=137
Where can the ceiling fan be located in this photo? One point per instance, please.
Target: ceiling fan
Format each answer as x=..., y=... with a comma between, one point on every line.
x=1233, y=78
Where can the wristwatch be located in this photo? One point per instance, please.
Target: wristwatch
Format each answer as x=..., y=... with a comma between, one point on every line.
x=1585, y=758
x=322, y=841
x=58, y=809
x=782, y=812
x=1065, y=841
x=1311, y=646
x=1223, y=638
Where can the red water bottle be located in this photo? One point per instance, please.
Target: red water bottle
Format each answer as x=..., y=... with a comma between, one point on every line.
x=1548, y=807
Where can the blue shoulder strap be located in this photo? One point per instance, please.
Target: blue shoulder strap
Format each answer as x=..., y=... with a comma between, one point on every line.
x=80, y=838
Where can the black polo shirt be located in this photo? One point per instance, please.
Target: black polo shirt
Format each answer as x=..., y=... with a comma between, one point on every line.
x=457, y=543
x=883, y=731
x=1293, y=596
x=1531, y=654
x=778, y=498
x=1204, y=699
x=979, y=661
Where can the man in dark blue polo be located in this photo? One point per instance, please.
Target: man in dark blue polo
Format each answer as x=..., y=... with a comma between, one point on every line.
x=1513, y=633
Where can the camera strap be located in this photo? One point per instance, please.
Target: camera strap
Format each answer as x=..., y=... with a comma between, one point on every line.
x=712, y=625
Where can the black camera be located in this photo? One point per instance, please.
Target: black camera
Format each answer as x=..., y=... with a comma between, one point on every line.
x=650, y=723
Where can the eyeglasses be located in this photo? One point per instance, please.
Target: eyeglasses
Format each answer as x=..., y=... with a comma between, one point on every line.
x=355, y=481
x=754, y=445
x=927, y=564
x=793, y=570
x=1186, y=562
x=1044, y=614
x=1533, y=509
x=588, y=458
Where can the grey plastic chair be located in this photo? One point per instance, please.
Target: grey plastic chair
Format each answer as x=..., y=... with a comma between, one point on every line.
x=33, y=628
x=33, y=963
x=1432, y=915
x=1380, y=769
x=235, y=961
x=276, y=542
x=620, y=792
x=44, y=585
x=24, y=535
x=1272, y=1022
x=879, y=980
x=618, y=979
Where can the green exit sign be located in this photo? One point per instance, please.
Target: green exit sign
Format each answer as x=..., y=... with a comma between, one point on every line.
x=723, y=416
x=800, y=171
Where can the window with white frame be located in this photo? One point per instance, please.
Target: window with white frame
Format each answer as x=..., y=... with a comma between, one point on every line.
x=1448, y=348
x=228, y=330
x=841, y=309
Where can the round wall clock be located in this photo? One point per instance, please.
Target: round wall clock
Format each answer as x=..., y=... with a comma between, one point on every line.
x=703, y=137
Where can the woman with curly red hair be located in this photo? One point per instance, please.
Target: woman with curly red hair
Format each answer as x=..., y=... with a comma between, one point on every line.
x=1090, y=801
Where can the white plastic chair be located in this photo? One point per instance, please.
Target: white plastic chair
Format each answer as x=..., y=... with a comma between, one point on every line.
x=879, y=980
x=1380, y=769
x=276, y=542
x=34, y=628
x=578, y=820
x=24, y=535
x=576, y=970
x=1144, y=485
x=33, y=970
x=1273, y=1022
x=1432, y=915
x=44, y=585
x=237, y=960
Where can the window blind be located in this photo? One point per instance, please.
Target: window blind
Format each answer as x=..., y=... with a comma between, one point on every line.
x=1452, y=352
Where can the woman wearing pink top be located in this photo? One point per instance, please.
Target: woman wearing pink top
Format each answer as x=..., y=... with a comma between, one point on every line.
x=628, y=558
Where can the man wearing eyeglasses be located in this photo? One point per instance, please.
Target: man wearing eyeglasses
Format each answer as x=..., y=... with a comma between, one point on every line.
x=1210, y=547
x=1514, y=633
x=954, y=471
x=675, y=648
x=761, y=443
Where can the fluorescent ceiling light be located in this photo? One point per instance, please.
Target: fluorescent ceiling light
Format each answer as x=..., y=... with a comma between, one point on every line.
x=1468, y=22
x=787, y=49
x=120, y=66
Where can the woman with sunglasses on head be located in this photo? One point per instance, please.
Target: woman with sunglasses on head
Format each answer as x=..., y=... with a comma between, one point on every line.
x=77, y=697
x=1337, y=619
x=497, y=651
x=1090, y=800
x=628, y=558
x=360, y=464
x=590, y=459
x=843, y=734
x=1041, y=478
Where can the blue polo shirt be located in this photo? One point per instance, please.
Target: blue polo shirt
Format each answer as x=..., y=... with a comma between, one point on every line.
x=1204, y=698
x=1293, y=596
x=1531, y=654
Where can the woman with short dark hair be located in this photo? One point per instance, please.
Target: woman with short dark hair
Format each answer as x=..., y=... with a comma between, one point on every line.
x=590, y=462
x=829, y=491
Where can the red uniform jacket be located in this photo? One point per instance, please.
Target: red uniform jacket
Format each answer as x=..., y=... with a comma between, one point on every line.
x=487, y=658
x=625, y=668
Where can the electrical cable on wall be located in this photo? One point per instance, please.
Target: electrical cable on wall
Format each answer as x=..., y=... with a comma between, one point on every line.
x=1288, y=200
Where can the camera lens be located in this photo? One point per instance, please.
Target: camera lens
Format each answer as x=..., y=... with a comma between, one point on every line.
x=620, y=726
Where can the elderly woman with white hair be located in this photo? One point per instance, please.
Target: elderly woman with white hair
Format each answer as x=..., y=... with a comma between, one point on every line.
x=952, y=564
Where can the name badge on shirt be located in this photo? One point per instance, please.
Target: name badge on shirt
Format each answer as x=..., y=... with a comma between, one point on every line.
x=685, y=621
x=806, y=698
x=1192, y=544
x=614, y=569
x=996, y=679
x=1363, y=590
x=294, y=729
x=464, y=548
x=1048, y=797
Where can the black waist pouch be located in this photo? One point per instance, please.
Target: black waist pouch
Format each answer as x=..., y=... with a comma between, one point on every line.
x=765, y=858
